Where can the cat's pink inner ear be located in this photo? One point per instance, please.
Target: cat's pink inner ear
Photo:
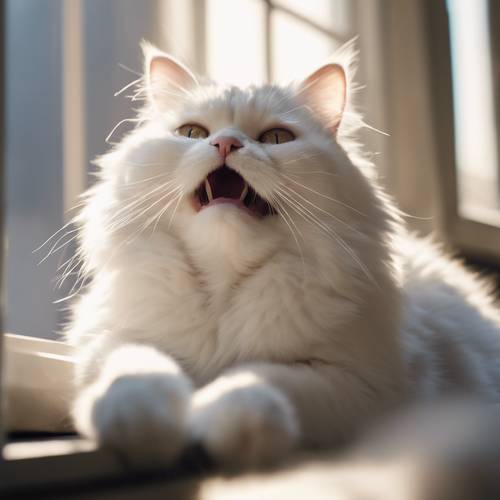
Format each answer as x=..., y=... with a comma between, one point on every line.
x=168, y=77
x=325, y=93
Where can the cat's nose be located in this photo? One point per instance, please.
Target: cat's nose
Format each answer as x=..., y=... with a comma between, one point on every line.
x=226, y=144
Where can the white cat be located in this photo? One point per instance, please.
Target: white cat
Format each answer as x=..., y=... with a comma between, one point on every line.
x=252, y=287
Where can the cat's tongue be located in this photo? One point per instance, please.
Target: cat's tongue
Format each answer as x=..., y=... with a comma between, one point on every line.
x=226, y=183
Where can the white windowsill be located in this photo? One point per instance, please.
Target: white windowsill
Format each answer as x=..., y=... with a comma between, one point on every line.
x=39, y=375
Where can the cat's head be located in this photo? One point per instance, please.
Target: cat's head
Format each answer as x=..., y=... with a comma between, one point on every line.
x=241, y=172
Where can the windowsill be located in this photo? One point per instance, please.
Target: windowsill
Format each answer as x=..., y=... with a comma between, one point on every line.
x=39, y=375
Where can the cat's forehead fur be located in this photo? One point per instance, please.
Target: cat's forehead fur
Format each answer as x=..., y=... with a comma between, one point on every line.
x=249, y=108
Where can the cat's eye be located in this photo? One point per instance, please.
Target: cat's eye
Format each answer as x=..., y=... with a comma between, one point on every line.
x=276, y=136
x=193, y=131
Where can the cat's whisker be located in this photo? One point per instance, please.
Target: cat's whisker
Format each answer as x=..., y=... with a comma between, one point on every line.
x=80, y=277
x=292, y=192
x=144, y=226
x=300, y=159
x=132, y=207
x=53, y=236
x=144, y=181
x=65, y=264
x=55, y=248
x=126, y=222
x=157, y=217
x=307, y=215
x=142, y=199
x=144, y=164
x=301, y=106
x=129, y=85
x=181, y=195
x=68, y=297
x=149, y=180
x=308, y=172
x=184, y=92
x=125, y=120
x=130, y=70
x=289, y=222
x=79, y=281
x=67, y=273
x=324, y=195
x=166, y=183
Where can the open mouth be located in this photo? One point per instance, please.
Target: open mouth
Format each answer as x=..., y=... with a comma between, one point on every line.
x=225, y=185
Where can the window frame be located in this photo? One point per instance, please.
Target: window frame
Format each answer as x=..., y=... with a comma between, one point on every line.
x=473, y=238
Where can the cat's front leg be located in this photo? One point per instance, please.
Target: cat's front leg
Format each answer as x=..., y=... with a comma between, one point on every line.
x=257, y=413
x=137, y=406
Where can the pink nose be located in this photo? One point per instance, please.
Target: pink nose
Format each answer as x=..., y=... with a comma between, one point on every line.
x=226, y=144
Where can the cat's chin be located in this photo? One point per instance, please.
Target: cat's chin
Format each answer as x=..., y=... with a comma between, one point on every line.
x=224, y=201
x=224, y=230
x=224, y=204
x=222, y=212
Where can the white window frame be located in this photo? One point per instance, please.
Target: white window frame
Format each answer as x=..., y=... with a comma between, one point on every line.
x=479, y=239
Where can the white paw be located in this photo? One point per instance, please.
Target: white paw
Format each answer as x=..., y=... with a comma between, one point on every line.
x=243, y=422
x=140, y=416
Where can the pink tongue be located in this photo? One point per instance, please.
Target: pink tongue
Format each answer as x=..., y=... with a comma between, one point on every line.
x=226, y=183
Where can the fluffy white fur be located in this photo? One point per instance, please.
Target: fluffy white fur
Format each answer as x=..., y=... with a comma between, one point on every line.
x=255, y=335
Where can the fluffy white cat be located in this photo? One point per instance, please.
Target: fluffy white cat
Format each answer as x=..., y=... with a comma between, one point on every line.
x=252, y=288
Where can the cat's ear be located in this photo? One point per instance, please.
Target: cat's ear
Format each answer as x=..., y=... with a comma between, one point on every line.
x=167, y=79
x=325, y=93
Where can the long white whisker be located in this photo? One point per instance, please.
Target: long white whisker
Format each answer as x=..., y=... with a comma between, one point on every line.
x=281, y=211
x=290, y=192
x=307, y=172
x=324, y=195
x=329, y=231
x=126, y=68
x=299, y=159
x=143, y=198
x=162, y=210
x=125, y=220
x=55, y=234
x=125, y=120
x=181, y=194
x=56, y=248
x=144, y=181
x=131, y=84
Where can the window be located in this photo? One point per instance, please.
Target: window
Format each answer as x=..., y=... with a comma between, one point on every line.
x=67, y=58
x=474, y=104
x=467, y=115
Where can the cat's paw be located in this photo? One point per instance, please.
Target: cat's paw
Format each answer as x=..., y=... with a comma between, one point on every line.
x=140, y=416
x=242, y=422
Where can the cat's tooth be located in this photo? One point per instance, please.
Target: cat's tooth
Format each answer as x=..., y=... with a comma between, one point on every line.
x=208, y=189
x=244, y=192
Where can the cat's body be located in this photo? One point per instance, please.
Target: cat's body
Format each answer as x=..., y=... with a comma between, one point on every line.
x=254, y=330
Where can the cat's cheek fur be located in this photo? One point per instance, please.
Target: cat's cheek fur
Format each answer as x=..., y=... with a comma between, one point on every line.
x=243, y=422
x=137, y=407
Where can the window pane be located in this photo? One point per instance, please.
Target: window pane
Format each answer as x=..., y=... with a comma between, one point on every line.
x=235, y=41
x=329, y=14
x=475, y=137
x=33, y=163
x=36, y=137
x=297, y=47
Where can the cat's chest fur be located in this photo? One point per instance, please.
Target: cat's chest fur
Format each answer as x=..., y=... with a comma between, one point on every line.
x=212, y=317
